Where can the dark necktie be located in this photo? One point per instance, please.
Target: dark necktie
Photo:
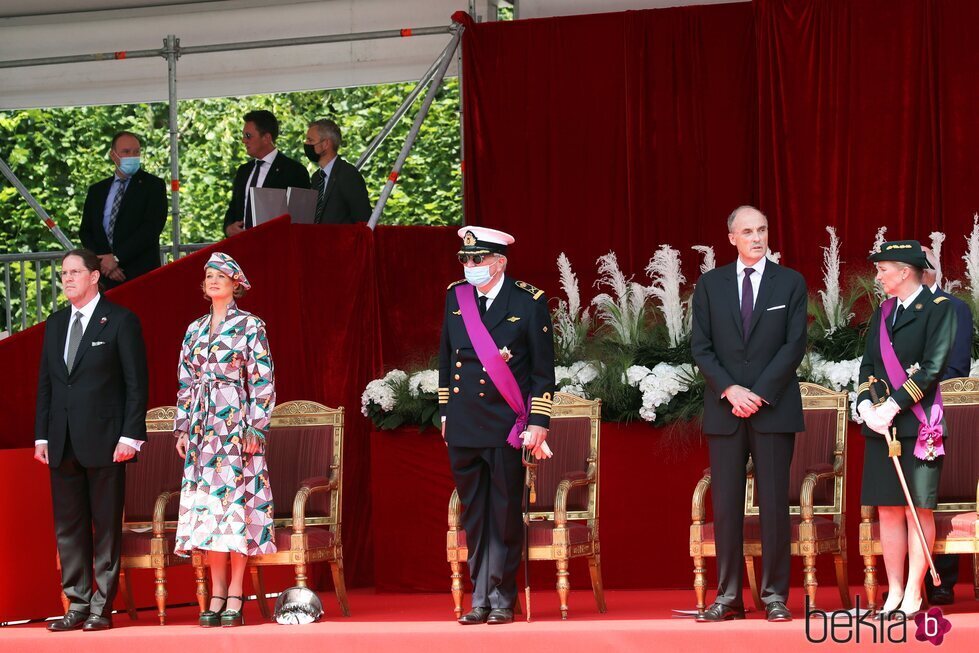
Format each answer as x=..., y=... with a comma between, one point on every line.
x=114, y=211
x=897, y=316
x=482, y=304
x=747, y=302
x=248, y=200
x=74, y=340
x=320, y=188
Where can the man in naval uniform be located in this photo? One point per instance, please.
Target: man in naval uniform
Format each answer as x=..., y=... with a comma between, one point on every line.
x=496, y=381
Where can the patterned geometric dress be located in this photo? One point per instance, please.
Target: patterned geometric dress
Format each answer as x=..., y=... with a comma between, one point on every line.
x=226, y=390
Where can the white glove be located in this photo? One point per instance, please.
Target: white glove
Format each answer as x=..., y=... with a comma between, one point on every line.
x=872, y=418
x=525, y=437
x=888, y=410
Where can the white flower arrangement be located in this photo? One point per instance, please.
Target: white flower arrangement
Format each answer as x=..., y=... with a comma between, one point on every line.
x=625, y=312
x=838, y=375
x=774, y=257
x=835, y=318
x=659, y=385
x=426, y=381
x=571, y=323
x=381, y=391
x=937, y=240
x=710, y=260
x=572, y=379
x=971, y=259
x=664, y=270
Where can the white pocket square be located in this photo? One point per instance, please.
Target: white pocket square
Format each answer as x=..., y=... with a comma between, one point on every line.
x=96, y=343
x=775, y=308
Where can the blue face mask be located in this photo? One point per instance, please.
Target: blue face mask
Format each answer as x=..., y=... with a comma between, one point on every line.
x=478, y=276
x=128, y=165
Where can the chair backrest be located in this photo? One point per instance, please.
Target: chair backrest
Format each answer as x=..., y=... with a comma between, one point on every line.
x=960, y=469
x=158, y=468
x=574, y=439
x=823, y=442
x=305, y=440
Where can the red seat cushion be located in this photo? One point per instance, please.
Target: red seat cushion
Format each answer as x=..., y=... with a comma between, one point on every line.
x=138, y=544
x=316, y=537
x=542, y=533
x=948, y=525
x=825, y=528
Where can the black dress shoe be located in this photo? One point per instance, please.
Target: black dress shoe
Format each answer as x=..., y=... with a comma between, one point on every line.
x=941, y=596
x=475, y=616
x=776, y=611
x=500, y=616
x=720, y=612
x=97, y=622
x=72, y=620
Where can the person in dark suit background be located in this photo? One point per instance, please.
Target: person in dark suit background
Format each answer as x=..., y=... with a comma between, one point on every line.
x=749, y=336
x=478, y=424
x=269, y=168
x=342, y=191
x=90, y=418
x=124, y=215
x=959, y=365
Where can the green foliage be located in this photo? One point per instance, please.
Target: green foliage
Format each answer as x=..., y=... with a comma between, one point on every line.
x=59, y=153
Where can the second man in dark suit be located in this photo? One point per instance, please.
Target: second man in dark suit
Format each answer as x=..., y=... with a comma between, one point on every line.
x=749, y=336
x=342, y=191
x=269, y=168
x=124, y=215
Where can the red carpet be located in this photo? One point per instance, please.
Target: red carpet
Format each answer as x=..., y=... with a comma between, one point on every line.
x=423, y=623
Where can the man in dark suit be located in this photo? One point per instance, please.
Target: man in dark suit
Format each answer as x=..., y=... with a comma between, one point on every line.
x=342, y=191
x=124, y=215
x=497, y=349
x=91, y=418
x=269, y=168
x=749, y=336
x=959, y=365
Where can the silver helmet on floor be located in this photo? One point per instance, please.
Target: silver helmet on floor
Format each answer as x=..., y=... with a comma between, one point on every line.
x=298, y=605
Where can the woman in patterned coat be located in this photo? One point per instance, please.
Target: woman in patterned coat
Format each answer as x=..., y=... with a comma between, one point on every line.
x=224, y=405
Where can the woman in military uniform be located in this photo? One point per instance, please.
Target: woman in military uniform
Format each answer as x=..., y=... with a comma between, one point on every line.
x=899, y=389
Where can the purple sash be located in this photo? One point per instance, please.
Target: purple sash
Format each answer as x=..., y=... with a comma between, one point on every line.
x=929, y=445
x=489, y=355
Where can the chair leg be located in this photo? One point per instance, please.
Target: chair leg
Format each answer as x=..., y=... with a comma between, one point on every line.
x=700, y=583
x=200, y=579
x=301, y=574
x=259, y=584
x=127, y=593
x=161, y=594
x=595, y=569
x=563, y=585
x=975, y=575
x=870, y=581
x=456, y=587
x=336, y=566
x=842, y=579
x=809, y=578
x=749, y=562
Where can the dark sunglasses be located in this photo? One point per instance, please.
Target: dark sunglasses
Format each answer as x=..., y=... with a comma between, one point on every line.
x=475, y=258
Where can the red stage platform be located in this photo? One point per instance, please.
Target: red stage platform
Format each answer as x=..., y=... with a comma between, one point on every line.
x=636, y=620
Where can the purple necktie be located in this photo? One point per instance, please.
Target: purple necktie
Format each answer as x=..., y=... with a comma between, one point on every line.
x=747, y=302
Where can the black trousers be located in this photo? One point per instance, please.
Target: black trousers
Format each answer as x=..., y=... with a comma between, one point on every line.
x=88, y=505
x=490, y=483
x=772, y=455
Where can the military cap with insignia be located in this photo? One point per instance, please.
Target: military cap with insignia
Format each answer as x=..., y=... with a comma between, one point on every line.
x=480, y=240
x=903, y=251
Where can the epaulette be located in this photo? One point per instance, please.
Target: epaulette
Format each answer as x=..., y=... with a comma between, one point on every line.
x=529, y=288
x=455, y=283
x=939, y=300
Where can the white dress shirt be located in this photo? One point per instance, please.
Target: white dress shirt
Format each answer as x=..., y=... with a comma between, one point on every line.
x=327, y=170
x=263, y=172
x=87, y=311
x=759, y=270
x=906, y=303
x=491, y=294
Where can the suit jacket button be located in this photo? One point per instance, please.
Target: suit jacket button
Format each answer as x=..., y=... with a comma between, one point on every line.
x=457, y=377
x=455, y=390
x=459, y=364
x=482, y=382
x=482, y=394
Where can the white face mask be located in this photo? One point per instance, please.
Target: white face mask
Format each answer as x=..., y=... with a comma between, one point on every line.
x=478, y=276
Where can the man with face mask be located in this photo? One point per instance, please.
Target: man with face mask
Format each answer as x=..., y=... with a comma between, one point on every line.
x=124, y=215
x=342, y=191
x=496, y=382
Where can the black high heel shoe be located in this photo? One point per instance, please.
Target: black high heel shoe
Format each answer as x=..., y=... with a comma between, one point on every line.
x=212, y=618
x=231, y=618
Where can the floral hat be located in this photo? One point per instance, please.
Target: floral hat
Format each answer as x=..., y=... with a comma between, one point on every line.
x=224, y=263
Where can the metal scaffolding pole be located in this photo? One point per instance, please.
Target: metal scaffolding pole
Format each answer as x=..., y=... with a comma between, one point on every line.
x=457, y=30
x=375, y=144
x=47, y=219
x=462, y=134
x=171, y=45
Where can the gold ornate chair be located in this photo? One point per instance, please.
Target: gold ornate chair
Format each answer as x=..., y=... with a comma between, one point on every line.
x=150, y=519
x=817, y=498
x=956, y=524
x=305, y=462
x=564, y=518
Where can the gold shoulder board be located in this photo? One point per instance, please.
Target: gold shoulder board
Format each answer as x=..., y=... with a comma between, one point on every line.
x=529, y=288
x=455, y=283
x=939, y=300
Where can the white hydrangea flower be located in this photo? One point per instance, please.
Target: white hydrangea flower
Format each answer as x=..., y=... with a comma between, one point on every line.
x=661, y=385
x=562, y=374
x=378, y=392
x=584, y=372
x=574, y=389
x=635, y=374
x=426, y=381
x=395, y=376
x=854, y=415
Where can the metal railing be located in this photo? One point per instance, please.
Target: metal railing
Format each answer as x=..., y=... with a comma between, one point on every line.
x=31, y=288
